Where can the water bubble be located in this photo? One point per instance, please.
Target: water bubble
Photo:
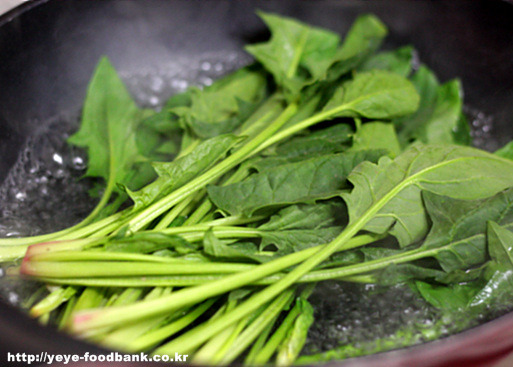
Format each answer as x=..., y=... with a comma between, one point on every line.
x=57, y=158
x=206, y=81
x=13, y=298
x=60, y=173
x=180, y=85
x=154, y=101
x=157, y=83
x=206, y=66
x=78, y=163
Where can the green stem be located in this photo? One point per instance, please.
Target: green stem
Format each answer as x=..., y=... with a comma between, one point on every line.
x=15, y=248
x=52, y=301
x=234, y=221
x=69, y=269
x=304, y=124
x=211, y=352
x=118, y=338
x=257, y=326
x=298, y=53
x=173, y=213
x=189, y=296
x=259, y=343
x=276, y=339
x=207, y=205
x=192, y=295
x=197, y=279
x=161, y=206
x=58, y=246
x=202, y=333
x=154, y=337
x=103, y=256
x=65, y=316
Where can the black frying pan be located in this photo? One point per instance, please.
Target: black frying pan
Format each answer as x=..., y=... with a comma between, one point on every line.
x=48, y=50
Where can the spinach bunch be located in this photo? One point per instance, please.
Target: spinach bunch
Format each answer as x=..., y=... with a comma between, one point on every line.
x=325, y=159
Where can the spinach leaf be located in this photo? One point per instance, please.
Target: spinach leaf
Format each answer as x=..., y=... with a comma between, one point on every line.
x=289, y=241
x=398, y=61
x=224, y=105
x=273, y=243
x=439, y=119
x=217, y=248
x=402, y=273
x=450, y=298
x=304, y=216
x=159, y=134
x=376, y=94
x=108, y=131
x=302, y=182
x=148, y=243
x=362, y=40
x=377, y=135
x=387, y=195
x=174, y=174
x=463, y=224
x=500, y=245
x=332, y=139
x=506, y=151
x=297, y=54
x=493, y=287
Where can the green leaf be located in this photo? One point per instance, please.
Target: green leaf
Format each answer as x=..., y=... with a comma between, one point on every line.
x=463, y=275
x=238, y=251
x=145, y=243
x=497, y=293
x=500, y=245
x=410, y=127
x=495, y=289
x=159, y=135
x=332, y=139
x=174, y=174
x=453, y=298
x=377, y=135
x=289, y=241
x=391, y=189
x=376, y=94
x=273, y=243
x=439, y=119
x=108, y=130
x=401, y=273
x=297, y=54
x=462, y=132
x=223, y=106
x=398, y=61
x=303, y=216
x=459, y=227
x=439, y=129
x=506, y=151
x=302, y=182
x=362, y=40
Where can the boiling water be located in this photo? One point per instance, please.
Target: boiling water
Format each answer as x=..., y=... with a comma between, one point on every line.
x=44, y=192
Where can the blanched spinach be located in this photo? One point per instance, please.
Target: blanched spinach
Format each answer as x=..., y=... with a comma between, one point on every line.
x=351, y=166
